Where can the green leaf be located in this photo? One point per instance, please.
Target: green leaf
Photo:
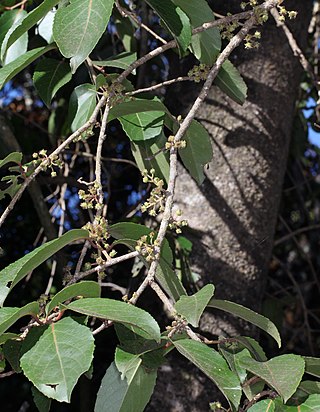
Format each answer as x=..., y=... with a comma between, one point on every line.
x=9, y=316
x=192, y=307
x=311, y=404
x=169, y=280
x=150, y=155
x=267, y=405
x=24, y=25
x=214, y=366
x=248, y=315
x=135, y=344
x=124, y=313
x=176, y=21
x=136, y=106
x=2, y=361
x=45, y=27
x=129, y=394
x=121, y=60
x=13, y=68
x=14, y=157
x=12, y=352
x=126, y=362
x=49, y=76
x=230, y=81
x=312, y=366
x=81, y=106
x=61, y=355
x=125, y=32
x=8, y=22
x=131, y=232
x=198, y=151
x=233, y=355
x=78, y=27
x=7, y=336
x=41, y=401
x=86, y=289
x=206, y=45
x=142, y=126
x=305, y=389
x=12, y=188
x=17, y=270
x=244, y=347
x=276, y=372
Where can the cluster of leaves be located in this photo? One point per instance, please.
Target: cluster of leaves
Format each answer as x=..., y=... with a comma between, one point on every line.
x=57, y=347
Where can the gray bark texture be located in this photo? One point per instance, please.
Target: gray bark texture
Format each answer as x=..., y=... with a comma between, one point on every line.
x=233, y=214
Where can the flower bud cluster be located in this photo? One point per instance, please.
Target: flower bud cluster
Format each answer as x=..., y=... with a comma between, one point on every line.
x=227, y=30
x=148, y=246
x=115, y=92
x=199, y=72
x=181, y=144
x=98, y=231
x=84, y=136
x=261, y=14
x=177, y=225
x=286, y=13
x=90, y=199
x=155, y=203
x=251, y=40
x=49, y=161
x=250, y=3
x=177, y=326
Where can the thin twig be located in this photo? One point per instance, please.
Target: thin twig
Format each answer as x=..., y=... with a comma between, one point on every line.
x=101, y=139
x=268, y=393
x=100, y=268
x=131, y=15
x=295, y=233
x=159, y=85
x=162, y=297
x=6, y=374
x=105, y=325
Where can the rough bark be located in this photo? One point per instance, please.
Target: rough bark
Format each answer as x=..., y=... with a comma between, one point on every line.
x=233, y=213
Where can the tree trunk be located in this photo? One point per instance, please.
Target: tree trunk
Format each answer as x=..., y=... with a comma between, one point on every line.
x=233, y=213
